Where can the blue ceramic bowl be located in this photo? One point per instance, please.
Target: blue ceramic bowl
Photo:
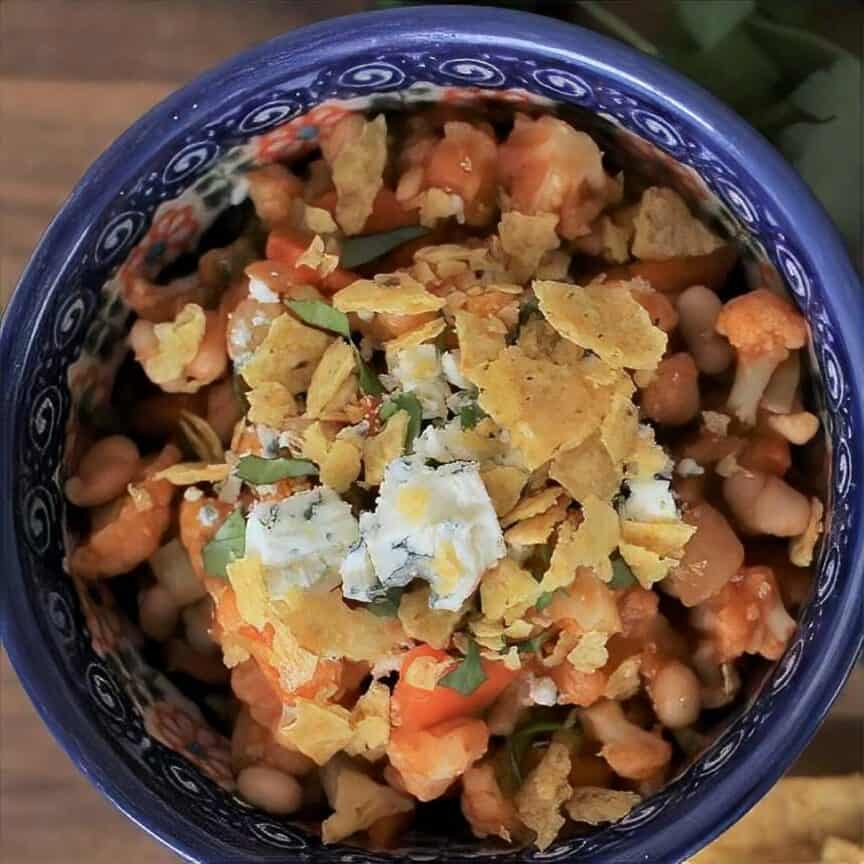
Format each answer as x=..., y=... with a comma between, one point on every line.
x=89, y=683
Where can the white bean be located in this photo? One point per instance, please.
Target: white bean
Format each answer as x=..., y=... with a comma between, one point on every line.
x=698, y=308
x=269, y=789
x=676, y=695
x=158, y=613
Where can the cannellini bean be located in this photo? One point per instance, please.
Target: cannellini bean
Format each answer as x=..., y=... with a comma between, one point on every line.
x=698, y=308
x=672, y=396
x=675, y=694
x=796, y=428
x=104, y=472
x=269, y=789
x=211, y=361
x=158, y=613
x=765, y=504
x=174, y=570
x=197, y=620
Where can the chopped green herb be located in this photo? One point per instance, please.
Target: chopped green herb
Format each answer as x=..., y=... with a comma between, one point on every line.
x=528, y=310
x=388, y=605
x=545, y=599
x=470, y=415
x=367, y=247
x=522, y=739
x=258, y=470
x=368, y=380
x=622, y=575
x=321, y=314
x=411, y=404
x=228, y=545
x=532, y=646
x=468, y=675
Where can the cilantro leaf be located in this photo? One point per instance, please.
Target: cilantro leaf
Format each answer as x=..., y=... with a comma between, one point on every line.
x=321, y=314
x=470, y=415
x=368, y=380
x=545, y=599
x=388, y=605
x=622, y=575
x=228, y=545
x=257, y=470
x=532, y=646
x=411, y=404
x=367, y=247
x=468, y=675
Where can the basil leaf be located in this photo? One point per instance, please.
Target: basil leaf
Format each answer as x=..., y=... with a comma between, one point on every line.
x=388, y=605
x=545, y=599
x=411, y=404
x=622, y=575
x=367, y=247
x=367, y=379
x=470, y=415
x=468, y=675
x=228, y=545
x=533, y=646
x=321, y=314
x=259, y=471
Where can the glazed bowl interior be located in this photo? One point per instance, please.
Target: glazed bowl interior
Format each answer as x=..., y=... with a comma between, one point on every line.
x=159, y=188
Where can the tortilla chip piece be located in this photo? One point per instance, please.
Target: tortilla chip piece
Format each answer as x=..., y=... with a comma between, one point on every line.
x=288, y=355
x=525, y=240
x=587, y=470
x=504, y=485
x=544, y=791
x=619, y=430
x=605, y=318
x=594, y=805
x=507, y=591
x=189, y=473
x=334, y=367
x=246, y=576
x=530, y=532
x=801, y=547
x=358, y=170
x=270, y=403
x=341, y=466
x=296, y=665
x=317, y=258
x=589, y=653
x=433, y=626
x=624, y=682
x=545, y=407
x=318, y=731
x=381, y=449
x=836, y=850
x=648, y=457
x=424, y=333
x=481, y=340
x=201, y=437
x=393, y=293
x=533, y=504
x=665, y=228
x=648, y=567
x=336, y=409
x=317, y=440
x=664, y=538
x=178, y=342
x=370, y=721
x=437, y=204
x=540, y=341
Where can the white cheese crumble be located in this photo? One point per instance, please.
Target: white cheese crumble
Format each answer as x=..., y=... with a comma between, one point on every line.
x=542, y=691
x=450, y=366
x=259, y=290
x=436, y=524
x=649, y=501
x=688, y=467
x=418, y=370
x=301, y=540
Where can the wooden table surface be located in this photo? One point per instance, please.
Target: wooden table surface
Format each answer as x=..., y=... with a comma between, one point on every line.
x=73, y=75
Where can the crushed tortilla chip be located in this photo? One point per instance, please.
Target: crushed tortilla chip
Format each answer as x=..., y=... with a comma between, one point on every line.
x=504, y=485
x=201, y=437
x=288, y=355
x=178, y=342
x=587, y=470
x=512, y=660
x=624, y=682
x=533, y=504
x=664, y=538
x=341, y=466
x=481, y=340
x=425, y=672
x=358, y=169
x=605, y=318
x=488, y=634
x=589, y=653
x=608, y=240
x=437, y=204
x=270, y=403
x=381, y=449
x=554, y=265
x=189, y=473
x=424, y=333
x=314, y=219
x=595, y=805
x=393, y=293
x=325, y=625
x=544, y=407
x=246, y=576
x=316, y=257
x=837, y=850
x=317, y=440
x=525, y=240
x=648, y=458
x=530, y=532
x=619, y=430
x=370, y=721
x=544, y=791
x=801, y=547
x=318, y=731
x=432, y=626
x=337, y=408
x=648, y=567
x=540, y=341
x=585, y=543
x=335, y=366
x=665, y=228
x=716, y=423
x=507, y=592
x=296, y=665
x=141, y=498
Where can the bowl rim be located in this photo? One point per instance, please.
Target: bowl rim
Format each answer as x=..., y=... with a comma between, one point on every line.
x=328, y=41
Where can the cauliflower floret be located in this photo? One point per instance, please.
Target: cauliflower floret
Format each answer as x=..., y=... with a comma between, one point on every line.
x=665, y=228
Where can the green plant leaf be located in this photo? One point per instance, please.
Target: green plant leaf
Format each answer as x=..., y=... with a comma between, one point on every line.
x=409, y=403
x=367, y=247
x=533, y=646
x=259, y=471
x=622, y=575
x=519, y=742
x=470, y=415
x=710, y=23
x=545, y=599
x=227, y=545
x=468, y=675
x=388, y=605
x=317, y=313
x=369, y=382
